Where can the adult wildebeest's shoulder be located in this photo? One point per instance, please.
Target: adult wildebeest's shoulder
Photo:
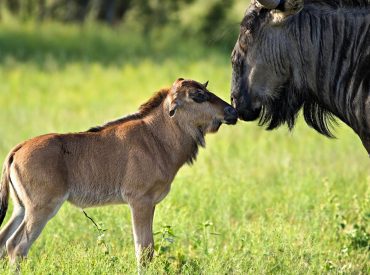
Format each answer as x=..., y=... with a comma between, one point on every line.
x=309, y=54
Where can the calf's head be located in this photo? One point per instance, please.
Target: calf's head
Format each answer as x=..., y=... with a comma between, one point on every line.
x=192, y=105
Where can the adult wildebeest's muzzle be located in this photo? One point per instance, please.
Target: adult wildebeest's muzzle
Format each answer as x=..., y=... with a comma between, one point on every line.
x=247, y=110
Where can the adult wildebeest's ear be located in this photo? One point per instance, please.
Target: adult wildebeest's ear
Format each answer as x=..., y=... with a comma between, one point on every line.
x=205, y=84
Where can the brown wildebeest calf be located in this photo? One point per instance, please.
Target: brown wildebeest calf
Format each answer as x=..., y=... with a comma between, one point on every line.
x=131, y=160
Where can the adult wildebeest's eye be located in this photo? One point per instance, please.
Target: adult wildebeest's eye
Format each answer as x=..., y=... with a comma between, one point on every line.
x=199, y=96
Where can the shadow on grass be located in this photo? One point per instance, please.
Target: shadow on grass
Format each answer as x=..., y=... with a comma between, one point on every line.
x=63, y=44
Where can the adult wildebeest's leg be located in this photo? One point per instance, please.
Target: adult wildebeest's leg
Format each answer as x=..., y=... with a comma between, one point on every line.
x=142, y=222
x=10, y=227
x=34, y=221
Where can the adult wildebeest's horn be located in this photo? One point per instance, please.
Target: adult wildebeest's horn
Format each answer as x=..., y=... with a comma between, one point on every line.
x=289, y=6
x=271, y=4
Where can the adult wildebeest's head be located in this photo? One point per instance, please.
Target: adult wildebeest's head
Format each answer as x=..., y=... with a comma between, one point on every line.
x=261, y=61
x=306, y=54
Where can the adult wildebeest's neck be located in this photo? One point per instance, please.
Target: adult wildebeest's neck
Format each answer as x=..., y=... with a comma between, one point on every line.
x=334, y=69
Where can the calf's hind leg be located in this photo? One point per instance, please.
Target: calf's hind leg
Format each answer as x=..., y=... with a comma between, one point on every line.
x=34, y=221
x=11, y=227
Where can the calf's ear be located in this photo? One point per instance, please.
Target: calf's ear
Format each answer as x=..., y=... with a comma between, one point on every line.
x=178, y=80
x=174, y=104
x=172, y=110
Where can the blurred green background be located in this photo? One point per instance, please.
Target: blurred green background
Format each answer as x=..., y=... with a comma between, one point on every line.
x=212, y=23
x=255, y=202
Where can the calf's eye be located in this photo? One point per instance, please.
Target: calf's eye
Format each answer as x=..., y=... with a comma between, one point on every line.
x=199, y=97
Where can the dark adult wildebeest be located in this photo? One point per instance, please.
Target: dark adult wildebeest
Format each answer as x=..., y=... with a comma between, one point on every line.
x=131, y=160
x=308, y=54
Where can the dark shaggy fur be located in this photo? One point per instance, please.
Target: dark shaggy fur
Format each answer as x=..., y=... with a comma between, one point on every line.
x=340, y=3
x=339, y=85
x=317, y=116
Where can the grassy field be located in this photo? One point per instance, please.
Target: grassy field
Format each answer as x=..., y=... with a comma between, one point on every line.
x=255, y=202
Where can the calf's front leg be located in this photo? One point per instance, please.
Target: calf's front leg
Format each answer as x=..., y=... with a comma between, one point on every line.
x=142, y=222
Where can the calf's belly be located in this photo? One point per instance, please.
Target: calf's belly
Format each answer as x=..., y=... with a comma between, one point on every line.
x=89, y=196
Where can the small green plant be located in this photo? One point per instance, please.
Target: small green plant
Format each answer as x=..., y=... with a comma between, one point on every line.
x=167, y=238
x=100, y=239
x=359, y=237
x=355, y=231
x=202, y=236
x=358, y=233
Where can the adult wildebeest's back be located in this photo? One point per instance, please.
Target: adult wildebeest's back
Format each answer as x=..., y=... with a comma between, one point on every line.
x=310, y=54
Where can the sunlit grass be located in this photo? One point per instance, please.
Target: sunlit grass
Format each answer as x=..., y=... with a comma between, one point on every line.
x=254, y=202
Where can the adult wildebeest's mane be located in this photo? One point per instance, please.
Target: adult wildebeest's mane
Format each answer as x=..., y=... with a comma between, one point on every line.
x=144, y=110
x=340, y=3
x=342, y=71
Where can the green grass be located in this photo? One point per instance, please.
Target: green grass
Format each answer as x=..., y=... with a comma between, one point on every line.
x=254, y=202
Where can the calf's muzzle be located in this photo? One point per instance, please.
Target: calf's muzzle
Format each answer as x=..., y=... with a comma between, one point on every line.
x=230, y=115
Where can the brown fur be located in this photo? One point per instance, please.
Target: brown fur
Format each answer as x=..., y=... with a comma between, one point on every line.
x=131, y=160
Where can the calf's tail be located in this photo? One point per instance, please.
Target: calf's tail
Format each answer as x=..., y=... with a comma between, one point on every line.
x=4, y=184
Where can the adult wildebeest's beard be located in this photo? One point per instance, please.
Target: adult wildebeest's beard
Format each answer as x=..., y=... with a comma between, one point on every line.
x=281, y=108
x=284, y=108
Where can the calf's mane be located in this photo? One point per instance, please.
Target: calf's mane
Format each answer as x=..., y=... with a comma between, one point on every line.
x=144, y=110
